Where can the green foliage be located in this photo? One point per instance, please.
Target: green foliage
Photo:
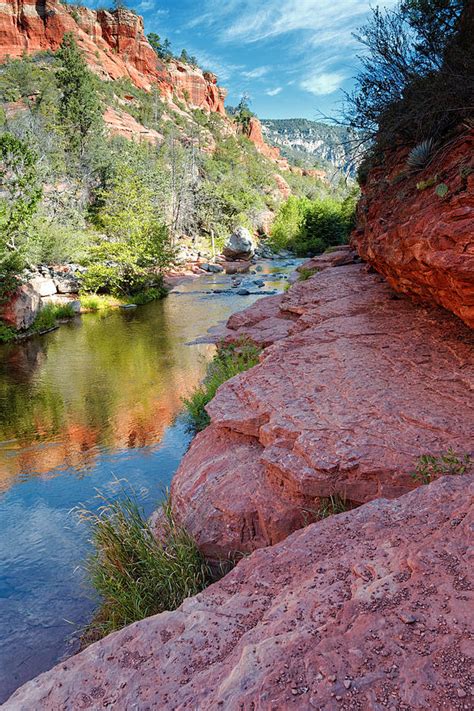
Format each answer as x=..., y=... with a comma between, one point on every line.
x=162, y=48
x=135, y=574
x=96, y=302
x=442, y=190
x=7, y=333
x=49, y=315
x=428, y=183
x=334, y=504
x=309, y=227
x=50, y=242
x=430, y=467
x=79, y=110
x=417, y=81
x=20, y=192
x=228, y=362
x=305, y=274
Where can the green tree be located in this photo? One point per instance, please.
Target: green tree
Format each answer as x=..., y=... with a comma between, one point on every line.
x=184, y=57
x=79, y=109
x=20, y=194
x=19, y=189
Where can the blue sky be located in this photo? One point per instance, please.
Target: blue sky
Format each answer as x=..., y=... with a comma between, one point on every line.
x=291, y=56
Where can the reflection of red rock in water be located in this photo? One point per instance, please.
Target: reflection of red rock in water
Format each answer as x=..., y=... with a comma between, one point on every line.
x=420, y=240
x=357, y=384
x=114, y=45
x=365, y=610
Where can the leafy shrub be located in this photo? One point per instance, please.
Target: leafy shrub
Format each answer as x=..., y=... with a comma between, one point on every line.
x=136, y=574
x=309, y=227
x=228, y=362
x=113, y=268
x=430, y=467
x=146, y=297
x=52, y=243
x=417, y=80
x=7, y=333
x=48, y=316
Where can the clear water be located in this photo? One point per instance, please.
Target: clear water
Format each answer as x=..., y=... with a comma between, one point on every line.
x=82, y=408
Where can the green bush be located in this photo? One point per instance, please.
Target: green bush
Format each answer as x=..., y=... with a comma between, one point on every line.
x=49, y=315
x=309, y=227
x=136, y=574
x=228, y=361
x=7, y=333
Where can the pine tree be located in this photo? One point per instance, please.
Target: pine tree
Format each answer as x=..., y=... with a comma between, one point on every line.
x=80, y=110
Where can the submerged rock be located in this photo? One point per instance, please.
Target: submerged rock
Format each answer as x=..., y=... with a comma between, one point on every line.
x=369, y=609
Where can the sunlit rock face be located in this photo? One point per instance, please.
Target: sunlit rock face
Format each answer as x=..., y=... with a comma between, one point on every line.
x=417, y=228
x=354, y=384
x=369, y=609
x=114, y=45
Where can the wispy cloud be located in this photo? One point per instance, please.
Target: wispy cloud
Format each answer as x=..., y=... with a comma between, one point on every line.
x=256, y=73
x=274, y=92
x=323, y=83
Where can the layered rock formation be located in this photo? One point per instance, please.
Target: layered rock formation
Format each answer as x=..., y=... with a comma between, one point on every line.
x=354, y=385
x=417, y=228
x=114, y=45
x=366, y=610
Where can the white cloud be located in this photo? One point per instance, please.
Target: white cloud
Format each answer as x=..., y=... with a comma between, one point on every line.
x=323, y=83
x=256, y=73
x=274, y=92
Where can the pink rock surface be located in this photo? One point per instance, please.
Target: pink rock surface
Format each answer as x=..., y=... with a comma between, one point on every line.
x=363, y=384
x=364, y=611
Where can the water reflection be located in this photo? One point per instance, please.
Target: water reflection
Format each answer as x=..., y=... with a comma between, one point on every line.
x=80, y=407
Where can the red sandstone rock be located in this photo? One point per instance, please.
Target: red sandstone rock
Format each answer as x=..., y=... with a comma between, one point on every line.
x=254, y=134
x=22, y=308
x=357, y=385
x=367, y=610
x=121, y=123
x=114, y=45
x=423, y=243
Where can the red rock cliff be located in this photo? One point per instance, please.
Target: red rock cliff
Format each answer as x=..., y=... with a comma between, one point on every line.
x=417, y=229
x=114, y=44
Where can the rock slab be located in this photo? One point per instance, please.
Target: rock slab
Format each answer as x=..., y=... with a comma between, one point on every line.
x=364, y=611
x=354, y=384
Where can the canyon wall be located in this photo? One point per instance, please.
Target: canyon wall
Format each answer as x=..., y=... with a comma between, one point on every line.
x=113, y=43
x=417, y=228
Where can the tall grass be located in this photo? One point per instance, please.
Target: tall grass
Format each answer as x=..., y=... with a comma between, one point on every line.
x=48, y=316
x=228, y=361
x=136, y=574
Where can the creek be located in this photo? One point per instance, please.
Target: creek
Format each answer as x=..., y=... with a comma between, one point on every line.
x=92, y=406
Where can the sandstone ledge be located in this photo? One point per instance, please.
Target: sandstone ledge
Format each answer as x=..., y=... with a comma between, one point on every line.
x=357, y=385
x=364, y=611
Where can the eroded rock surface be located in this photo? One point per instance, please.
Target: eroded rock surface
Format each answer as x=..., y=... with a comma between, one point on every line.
x=417, y=228
x=357, y=385
x=363, y=611
x=114, y=45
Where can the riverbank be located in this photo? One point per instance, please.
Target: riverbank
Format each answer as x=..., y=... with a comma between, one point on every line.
x=355, y=389
x=84, y=407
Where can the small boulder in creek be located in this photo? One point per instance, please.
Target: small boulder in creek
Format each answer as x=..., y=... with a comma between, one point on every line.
x=239, y=245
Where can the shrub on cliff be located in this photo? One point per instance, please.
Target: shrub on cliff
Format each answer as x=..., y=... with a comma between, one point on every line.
x=135, y=574
x=417, y=80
